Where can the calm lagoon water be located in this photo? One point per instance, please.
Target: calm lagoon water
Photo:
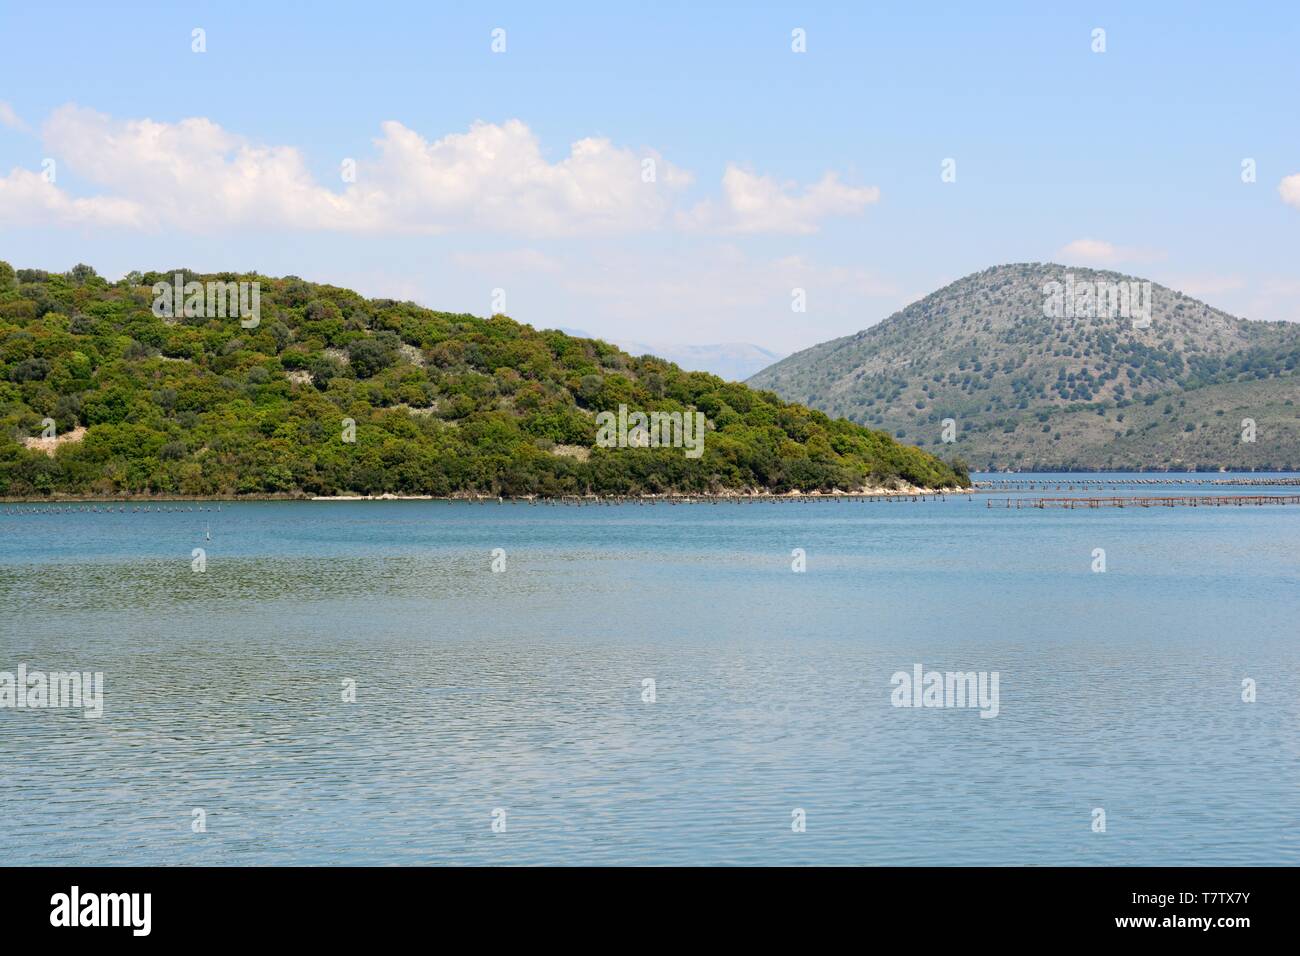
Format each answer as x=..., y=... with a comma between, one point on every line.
x=522, y=690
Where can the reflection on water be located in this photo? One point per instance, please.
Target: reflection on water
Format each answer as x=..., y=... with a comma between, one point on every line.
x=523, y=690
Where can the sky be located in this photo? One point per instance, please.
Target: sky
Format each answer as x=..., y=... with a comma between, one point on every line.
x=665, y=172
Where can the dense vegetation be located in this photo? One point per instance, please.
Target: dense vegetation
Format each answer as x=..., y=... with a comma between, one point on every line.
x=443, y=404
x=1029, y=391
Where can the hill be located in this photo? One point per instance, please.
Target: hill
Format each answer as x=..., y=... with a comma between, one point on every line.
x=325, y=392
x=1030, y=385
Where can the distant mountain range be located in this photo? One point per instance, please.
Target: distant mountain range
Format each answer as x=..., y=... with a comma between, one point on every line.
x=734, y=361
x=1037, y=366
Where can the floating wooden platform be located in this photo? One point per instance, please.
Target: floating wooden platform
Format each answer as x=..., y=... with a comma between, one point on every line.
x=1146, y=501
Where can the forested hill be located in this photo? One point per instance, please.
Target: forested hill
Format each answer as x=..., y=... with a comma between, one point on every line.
x=440, y=403
x=1188, y=386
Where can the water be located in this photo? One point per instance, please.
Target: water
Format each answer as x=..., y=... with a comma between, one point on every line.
x=522, y=690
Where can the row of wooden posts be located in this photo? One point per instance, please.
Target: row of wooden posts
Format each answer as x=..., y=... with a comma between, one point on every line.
x=1146, y=501
x=1029, y=484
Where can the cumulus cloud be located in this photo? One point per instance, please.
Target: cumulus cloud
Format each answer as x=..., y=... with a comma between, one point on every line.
x=192, y=175
x=195, y=176
x=495, y=178
x=28, y=197
x=1289, y=189
x=753, y=204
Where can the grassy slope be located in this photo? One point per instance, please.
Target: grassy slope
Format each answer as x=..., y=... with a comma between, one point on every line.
x=443, y=403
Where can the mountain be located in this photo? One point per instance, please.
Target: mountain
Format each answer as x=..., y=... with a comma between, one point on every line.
x=1037, y=375
x=296, y=388
x=733, y=361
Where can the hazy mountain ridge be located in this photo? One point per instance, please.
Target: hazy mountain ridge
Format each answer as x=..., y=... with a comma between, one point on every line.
x=1030, y=391
x=733, y=361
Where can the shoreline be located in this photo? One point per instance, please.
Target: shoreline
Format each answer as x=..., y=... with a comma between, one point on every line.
x=794, y=495
x=998, y=482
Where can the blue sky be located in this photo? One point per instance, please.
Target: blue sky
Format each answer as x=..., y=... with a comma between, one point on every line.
x=774, y=170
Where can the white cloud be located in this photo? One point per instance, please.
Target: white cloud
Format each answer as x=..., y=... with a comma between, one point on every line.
x=1289, y=189
x=191, y=175
x=196, y=176
x=11, y=119
x=1100, y=252
x=27, y=197
x=495, y=178
x=752, y=203
x=1091, y=250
